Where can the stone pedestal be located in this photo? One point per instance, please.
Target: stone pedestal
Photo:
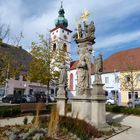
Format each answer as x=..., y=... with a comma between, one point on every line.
x=98, y=112
x=61, y=99
x=81, y=105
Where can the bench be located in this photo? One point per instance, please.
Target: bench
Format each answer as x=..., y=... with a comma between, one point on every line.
x=32, y=107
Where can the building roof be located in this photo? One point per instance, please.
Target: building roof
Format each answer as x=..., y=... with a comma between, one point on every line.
x=121, y=61
x=62, y=27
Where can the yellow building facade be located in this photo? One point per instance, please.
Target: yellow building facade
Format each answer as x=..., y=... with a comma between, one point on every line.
x=129, y=84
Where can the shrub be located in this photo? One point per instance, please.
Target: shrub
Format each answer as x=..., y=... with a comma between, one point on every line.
x=82, y=129
x=123, y=109
x=9, y=111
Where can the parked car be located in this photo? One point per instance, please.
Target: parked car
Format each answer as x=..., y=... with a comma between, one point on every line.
x=40, y=96
x=29, y=98
x=10, y=98
x=136, y=102
x=110, y=101
x=51, y=98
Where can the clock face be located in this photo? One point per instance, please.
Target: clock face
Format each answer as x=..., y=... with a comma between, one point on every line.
x=65, y=37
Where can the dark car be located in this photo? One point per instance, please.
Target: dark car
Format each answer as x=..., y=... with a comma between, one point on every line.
x=8, y=98
x=13, y=99
x=40, y=96
x=136, y=102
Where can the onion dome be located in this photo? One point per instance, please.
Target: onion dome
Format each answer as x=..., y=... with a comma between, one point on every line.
x=61, y=20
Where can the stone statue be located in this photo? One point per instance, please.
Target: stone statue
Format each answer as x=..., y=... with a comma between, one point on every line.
x=83, y=72
x=86, y=33
x=79, y=32
x=98, y=68
x=63, y=74
x=91, y=30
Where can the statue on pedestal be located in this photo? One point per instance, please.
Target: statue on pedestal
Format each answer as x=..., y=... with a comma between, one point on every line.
x=84, y=37
x=62, y=80
x=63, y=74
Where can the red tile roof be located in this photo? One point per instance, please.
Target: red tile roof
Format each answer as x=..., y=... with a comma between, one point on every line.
x=121, y=61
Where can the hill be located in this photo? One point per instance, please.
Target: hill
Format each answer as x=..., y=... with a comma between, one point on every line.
x=15, y=54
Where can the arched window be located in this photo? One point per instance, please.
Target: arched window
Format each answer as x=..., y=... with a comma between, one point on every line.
x=54, y=47
x=64, y=47
x=71, y=81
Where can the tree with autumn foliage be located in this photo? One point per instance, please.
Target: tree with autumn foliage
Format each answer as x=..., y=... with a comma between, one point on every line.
x=9, y=68
x=44, y=67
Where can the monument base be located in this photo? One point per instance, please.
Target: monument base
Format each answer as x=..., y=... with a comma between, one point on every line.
x=61, y=100
x=98, y=111
x=61, y=105
x=81, y=108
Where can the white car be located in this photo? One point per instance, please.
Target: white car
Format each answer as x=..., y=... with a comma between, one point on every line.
x=110, y=101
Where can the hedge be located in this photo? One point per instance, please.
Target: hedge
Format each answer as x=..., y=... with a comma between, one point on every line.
x=123, y=109
x=14, y=110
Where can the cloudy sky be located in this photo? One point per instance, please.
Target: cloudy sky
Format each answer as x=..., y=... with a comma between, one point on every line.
x=117, y=22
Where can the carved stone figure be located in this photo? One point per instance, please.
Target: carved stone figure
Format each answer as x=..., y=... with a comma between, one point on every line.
x=86, y=33
x=83, y=72
x=63, y=74
x=91, y=30
x=98, y=68
x=79, y=32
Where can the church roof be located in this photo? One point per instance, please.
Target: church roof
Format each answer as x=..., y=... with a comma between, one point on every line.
x=62, y=27
x=121, y=61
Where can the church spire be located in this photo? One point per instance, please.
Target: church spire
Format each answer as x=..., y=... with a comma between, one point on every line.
x=61, y=20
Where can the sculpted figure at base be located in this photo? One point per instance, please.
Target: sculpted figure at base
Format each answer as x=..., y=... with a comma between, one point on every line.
x=62, y=81
x=98, y=68
x=63, y=74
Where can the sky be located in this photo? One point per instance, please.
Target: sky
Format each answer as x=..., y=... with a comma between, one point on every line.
x=117, y=22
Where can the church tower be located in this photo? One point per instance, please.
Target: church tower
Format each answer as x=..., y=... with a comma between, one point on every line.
x=61, y=35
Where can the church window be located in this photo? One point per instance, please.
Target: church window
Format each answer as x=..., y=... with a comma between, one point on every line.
x=62, y=31
x=67, y=33
x=54, y=47
x=64, y=47
x=71, y=81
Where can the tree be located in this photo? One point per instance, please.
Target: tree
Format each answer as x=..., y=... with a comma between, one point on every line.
x=9, y=68
x=44, y=67
x=4, y=31
x=129, y=78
